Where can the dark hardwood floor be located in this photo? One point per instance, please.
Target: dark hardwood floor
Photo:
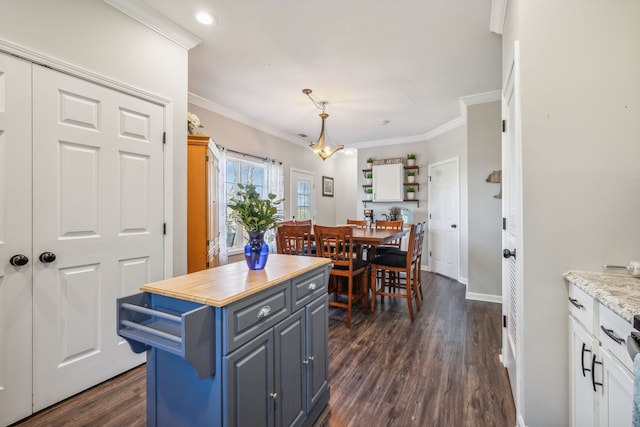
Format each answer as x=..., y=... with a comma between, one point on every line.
x=440, y=370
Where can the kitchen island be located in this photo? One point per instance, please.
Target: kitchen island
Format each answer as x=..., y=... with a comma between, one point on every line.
x=231, y=346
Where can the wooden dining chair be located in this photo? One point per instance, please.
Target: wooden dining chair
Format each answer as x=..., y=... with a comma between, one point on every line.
x=396, y=273
x=335, y=243
x=294, y=240
x=389, y=225
x=295, y=222
x=359, y=249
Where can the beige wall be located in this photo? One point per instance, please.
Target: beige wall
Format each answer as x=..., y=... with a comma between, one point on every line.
x=484, y=145
x=93, y=36
x=580, y=97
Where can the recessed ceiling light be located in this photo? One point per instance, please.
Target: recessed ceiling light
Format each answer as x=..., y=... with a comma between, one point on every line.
x=205, y=18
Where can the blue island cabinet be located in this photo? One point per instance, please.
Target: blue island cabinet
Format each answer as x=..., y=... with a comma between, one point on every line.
x=259, y=360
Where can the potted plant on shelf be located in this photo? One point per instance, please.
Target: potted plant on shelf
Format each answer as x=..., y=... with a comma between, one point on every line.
x=368, y=192
x=411, y=159
x=369, y=177
x=411, y=176
x=370, y=163
x=256, y=216
x=411, y=193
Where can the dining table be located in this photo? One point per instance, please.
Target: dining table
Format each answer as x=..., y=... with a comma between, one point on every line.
x=373, y=237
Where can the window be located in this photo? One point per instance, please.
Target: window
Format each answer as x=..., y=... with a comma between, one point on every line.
x=241, y=172
x=304, y=200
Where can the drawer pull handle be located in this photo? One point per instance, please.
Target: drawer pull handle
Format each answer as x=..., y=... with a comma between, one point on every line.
x=593, y=372
x=308, y=361
x=273, y=395
x=264, y=312
x=312, y=286
x=575, y=302
x=611, y=334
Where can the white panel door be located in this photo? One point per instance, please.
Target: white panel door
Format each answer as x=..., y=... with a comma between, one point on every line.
x=511, y=182
x=444, y=214
x=98, y=189
x=15, y=238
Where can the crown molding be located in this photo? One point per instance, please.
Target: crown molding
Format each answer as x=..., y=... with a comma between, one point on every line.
x=464, y=102
x=498, y=13
x=238, y=117
x=148, y=16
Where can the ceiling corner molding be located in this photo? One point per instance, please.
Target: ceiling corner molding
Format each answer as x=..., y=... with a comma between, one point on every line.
x=498, y=12
x=480, y=98
x=148, y=16
x=241, y=118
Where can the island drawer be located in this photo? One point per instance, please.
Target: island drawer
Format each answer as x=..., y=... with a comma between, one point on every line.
x=309, y=286
x=613, y=331
x=247, y=318
x=582, y=306
x=174, y=326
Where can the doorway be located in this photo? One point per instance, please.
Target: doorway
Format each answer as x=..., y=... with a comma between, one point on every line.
x=302, y=197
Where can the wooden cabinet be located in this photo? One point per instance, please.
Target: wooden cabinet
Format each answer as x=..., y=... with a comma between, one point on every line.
x=202, y=217
x=406, y=183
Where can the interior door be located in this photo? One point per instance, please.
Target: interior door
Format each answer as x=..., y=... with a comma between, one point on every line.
x=444, y=214
x=510, y=233
x=98, y=208
x=15, y=239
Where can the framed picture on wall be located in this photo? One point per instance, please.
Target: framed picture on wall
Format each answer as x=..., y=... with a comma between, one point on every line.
x=327, y=186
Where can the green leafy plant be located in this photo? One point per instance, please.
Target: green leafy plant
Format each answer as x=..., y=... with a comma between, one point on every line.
x=411, y=190
x=252, y=212
x=369, y=175
x=395, y=211
x=370, y=160
x=411, y=156
x=368, y=190
x=411, y=173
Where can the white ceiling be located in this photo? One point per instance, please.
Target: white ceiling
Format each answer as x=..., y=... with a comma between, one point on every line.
x=405, y=62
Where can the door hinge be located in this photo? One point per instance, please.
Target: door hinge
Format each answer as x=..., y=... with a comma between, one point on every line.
x=504, y=321
x=208, y=242
x=164, y=138
x=429, y=216
x=206, y=158
x=504, y=223
x=164, y=228
x=429, y=253
x=429, y=178
x=504, y=126
x=207, y=264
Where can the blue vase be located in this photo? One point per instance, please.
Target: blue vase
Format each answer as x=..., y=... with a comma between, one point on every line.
x=256, y=251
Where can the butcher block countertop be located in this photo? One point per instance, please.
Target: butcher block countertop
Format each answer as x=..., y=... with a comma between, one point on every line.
x=619, y=292
x=223, y=285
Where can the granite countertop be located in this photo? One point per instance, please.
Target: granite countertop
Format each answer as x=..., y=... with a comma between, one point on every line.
x=619, y=292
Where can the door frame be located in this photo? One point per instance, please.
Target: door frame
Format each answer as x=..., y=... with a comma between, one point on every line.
x=314, y=200
x=429, y=201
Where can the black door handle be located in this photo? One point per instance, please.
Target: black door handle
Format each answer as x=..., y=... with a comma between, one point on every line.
x=507, y=253
x=47, y=257
x=18, y=260
x=454, y=225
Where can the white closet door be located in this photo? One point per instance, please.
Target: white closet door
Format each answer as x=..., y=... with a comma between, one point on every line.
x=98, y=188
x=15, y=238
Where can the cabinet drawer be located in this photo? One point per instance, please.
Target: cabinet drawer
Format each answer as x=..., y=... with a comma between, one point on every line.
x=309, y=286
x=247, y=318
x=613, y=331
x=582, y=306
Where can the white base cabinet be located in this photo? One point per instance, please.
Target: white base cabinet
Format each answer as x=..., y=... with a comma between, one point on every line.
x=600, y=368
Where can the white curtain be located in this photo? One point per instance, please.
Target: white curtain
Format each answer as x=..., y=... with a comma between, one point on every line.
x=222, y=206
x=275, y=184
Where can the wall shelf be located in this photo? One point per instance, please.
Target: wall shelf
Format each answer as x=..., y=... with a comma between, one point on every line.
x=404, y=201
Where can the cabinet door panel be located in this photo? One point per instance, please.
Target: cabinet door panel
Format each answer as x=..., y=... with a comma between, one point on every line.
x=290, y=370
x=617, y=396
x=583, y=398
x=317, y=333
x=249, y=374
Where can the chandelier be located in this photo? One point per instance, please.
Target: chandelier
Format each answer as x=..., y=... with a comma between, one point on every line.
x=321, y=147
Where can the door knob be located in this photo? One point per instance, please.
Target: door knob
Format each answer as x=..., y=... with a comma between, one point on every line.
x=507, y=253
x=454, y=225
x=47, y=257
x=18, y=260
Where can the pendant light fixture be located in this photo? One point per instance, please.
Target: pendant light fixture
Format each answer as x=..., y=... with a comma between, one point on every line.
x=321, y=147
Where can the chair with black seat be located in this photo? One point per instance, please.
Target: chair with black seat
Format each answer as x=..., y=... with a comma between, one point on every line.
x=391, y=225
x=359, y=223
x=395, y=273
x=335, y=243
x=294, y=240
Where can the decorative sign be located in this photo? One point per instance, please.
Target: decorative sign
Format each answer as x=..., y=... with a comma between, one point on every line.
x=388, y=161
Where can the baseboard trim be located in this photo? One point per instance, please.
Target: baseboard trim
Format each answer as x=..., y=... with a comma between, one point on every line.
x=484, y=297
